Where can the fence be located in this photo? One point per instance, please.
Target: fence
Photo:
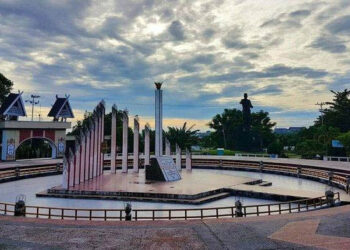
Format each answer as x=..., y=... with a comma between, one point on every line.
x=169, y=214
x=336, y=158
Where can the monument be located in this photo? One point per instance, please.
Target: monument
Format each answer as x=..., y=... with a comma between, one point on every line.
x=246, y=106
x=162, y=168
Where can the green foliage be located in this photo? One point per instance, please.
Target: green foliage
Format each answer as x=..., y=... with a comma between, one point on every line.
x=275, y=147
x=34, y=148
x=345, y=140
x=338, y=113
x=184, y=137
x=229, y=132
x=5, y=87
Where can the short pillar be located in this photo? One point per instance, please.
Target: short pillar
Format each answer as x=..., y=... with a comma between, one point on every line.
x=65, y=173
x=330, y=177
x=136, y=145
x=147, y=146
x=330, y=198
x=299, y=171
x=167, y=147
x=82, y=156
x=125, y=142
x=239, y=209
x=178, y=157
x=71, y=168
x=188, y=160
x=113, y=138
x=261, y=166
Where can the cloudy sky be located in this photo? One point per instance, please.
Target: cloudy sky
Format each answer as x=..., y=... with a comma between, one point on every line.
x=286, y=55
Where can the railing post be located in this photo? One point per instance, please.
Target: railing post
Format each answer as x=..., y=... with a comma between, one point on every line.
x=62, y=214
x=298, y=206
x=37, y=212
x=185, y=214
x=76, y=214
x=217, y=213
x=279, y=208
x=135, y=214
x=152, y=214
x=231, y=212
x=105, y=215
x=269, y=209
x=49, y=213
x=290, y=207
x=5, y=212
x=202, y=213
x=257, y=210
x=121, y=215
x=169, y=214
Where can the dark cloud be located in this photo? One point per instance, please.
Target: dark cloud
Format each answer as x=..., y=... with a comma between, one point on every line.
x=287, y=21
x=330, y=44
x=241, y=62
x=300, y=13
x=271, y=89
x=176, y=29
x=340, y=26
x=234, y=40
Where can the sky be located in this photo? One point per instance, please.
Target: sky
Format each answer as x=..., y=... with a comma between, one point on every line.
x=287, y=55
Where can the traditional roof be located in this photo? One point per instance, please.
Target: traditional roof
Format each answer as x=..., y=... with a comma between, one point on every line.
x=13, y=105
x=61, y=108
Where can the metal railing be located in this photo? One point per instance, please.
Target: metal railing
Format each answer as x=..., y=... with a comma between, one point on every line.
x=170, y=214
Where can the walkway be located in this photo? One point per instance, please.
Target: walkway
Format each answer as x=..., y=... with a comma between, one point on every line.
x=327, y=229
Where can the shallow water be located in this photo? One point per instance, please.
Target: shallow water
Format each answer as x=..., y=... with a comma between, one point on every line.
x=29, y=187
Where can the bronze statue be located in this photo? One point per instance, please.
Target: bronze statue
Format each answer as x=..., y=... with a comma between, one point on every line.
x=246, y=106
x=158, y=84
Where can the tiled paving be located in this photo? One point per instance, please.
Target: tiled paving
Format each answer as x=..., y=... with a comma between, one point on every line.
x=322, y=229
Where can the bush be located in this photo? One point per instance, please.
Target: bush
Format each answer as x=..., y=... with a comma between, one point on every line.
x=275, y=148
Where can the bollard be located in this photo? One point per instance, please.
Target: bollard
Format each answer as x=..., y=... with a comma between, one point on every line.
x=17, y=172
x=20, y=206
x=239, y=207
x=330, y=198
x=330, y=178
x=261, y=165
x=128, y=212
x=299, y=171
x=57, y=167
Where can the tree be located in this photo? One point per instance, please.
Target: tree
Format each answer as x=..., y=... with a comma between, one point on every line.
x=345, y=140
x=5, y=87
x=338, y=113
x=228, y=127
x=184, y=137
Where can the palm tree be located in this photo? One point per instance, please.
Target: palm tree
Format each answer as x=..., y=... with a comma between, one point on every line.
x=184, y=137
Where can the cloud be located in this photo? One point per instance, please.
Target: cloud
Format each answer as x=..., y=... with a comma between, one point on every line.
x=340, y=25
x=330, y=44
x=176, y=29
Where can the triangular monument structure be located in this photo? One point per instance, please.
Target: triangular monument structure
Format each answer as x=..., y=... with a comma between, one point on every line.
x=61, y=109
x=13, y=107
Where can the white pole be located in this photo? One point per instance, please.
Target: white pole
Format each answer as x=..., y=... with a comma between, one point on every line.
x=158, y=121
x=82, y=157
x=188, y=160
x=178, y=157
x=167, y=147
x=136, y=145
x=96, y=154
x=114, y=138
x=125, y=142
x=147, y=146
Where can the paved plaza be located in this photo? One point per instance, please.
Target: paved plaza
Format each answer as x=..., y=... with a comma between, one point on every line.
x=322, y=229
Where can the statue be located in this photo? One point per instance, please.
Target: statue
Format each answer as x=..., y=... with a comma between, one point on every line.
x=158, y=84
x=246, y=106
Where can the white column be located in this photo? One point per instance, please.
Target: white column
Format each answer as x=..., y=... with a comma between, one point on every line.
x=96, y=154
x=65, y=173
x=158, y=121
x=147, y=146
x=136, y=145
x=178, y=157
x=125, y=142
x=71, y=168
x=113, y=138
x=167, y=147
x=82, y=157
x=102, y=137
x=92, y=149
x=87, y=155
x=188, y=160
x=77, y=163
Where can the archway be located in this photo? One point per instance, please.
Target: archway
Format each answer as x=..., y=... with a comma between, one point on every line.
x=36, y=148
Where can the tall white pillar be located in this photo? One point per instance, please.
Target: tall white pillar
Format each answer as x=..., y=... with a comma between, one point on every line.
x=96, y=154
x=125, y=142
x=71, y=168
x=92, y=149
x=178, y=157
x=82, y=156
x=147, y=145
x=188, y=160
x=102, y=136
x=159, y=119
x=167, y=147
x=136, y=145
x=77, y=163
x=65, y=173
x=87, y=155
x=113, y=138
